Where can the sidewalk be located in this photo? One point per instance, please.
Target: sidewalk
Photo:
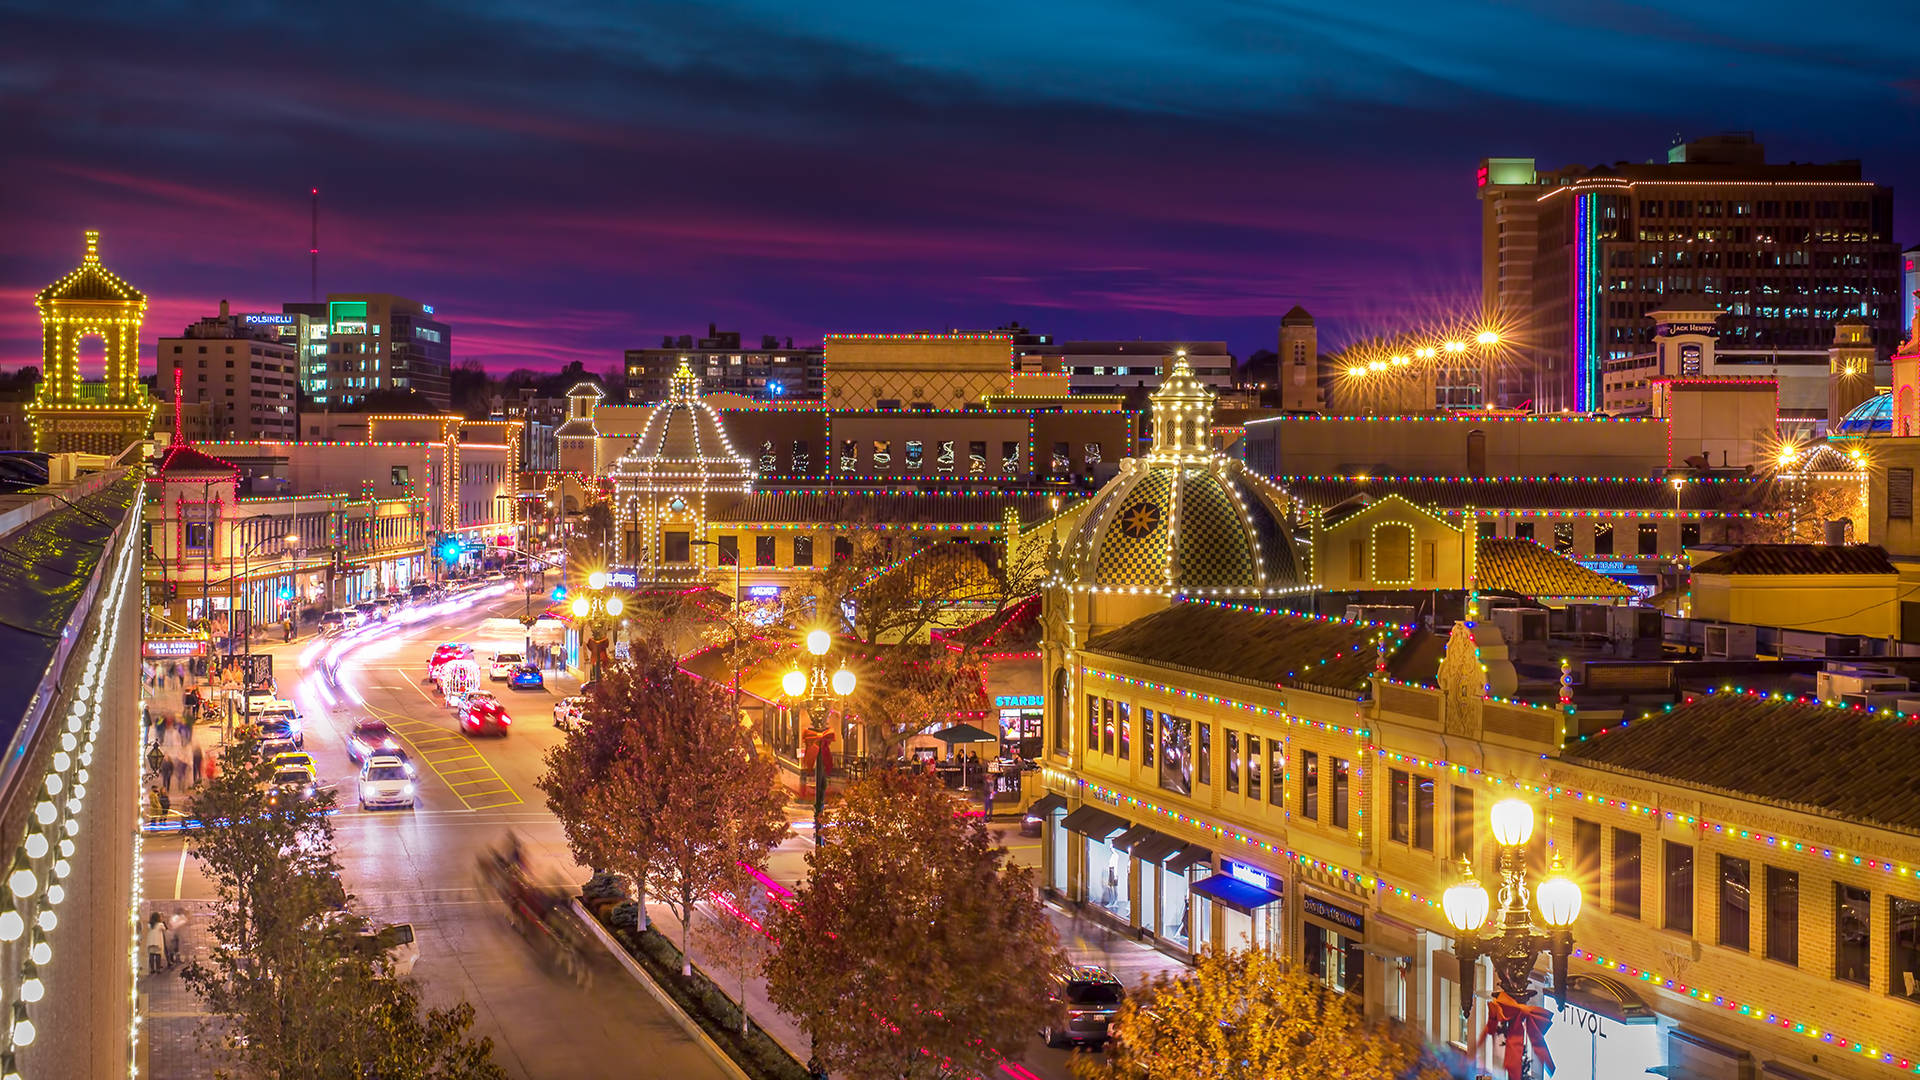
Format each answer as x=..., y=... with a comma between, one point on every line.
x=175, y=1030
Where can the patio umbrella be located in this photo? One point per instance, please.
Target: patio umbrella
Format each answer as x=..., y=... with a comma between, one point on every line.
x=964, y=733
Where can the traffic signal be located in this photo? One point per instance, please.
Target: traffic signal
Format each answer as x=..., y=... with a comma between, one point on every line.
x=286, y=593
x=559, y=593
x=450, y=551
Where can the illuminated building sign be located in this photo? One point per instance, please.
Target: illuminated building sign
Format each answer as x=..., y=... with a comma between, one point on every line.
x=1704, y=329
x=1609, y=566
x=1586, y=306
x=427, y=308
x=1016, y=701
x=1334, y=914
x=623, y=577
x=1258, y=878
x=1480, y=177
x=763, y=592
x=268, y=318
x=172, y=648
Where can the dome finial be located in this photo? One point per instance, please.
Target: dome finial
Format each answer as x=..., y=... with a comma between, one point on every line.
x=686, y=385
x=92, y=257
x=1182, y=412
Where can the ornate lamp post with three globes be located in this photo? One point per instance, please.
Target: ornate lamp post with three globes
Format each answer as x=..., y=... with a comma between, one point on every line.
x=597, y=609
x=1511, y=941
x=819, y=690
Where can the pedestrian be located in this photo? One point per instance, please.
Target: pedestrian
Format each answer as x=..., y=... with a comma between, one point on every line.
x=175, y=924
x=208, y=775
x=199, y=761
x=166, y=772
x=156, y=944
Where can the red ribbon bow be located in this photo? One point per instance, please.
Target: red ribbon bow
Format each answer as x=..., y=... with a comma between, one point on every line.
x=1521, y=1024
x=817, y=742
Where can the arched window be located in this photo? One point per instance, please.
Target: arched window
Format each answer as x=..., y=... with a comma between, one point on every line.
x=1057, y=716
x=1476, y=452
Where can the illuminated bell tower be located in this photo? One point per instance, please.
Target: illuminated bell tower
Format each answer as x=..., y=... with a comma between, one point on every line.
x=69, y=414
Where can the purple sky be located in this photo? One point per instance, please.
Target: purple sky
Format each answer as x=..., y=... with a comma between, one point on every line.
x=565, y=180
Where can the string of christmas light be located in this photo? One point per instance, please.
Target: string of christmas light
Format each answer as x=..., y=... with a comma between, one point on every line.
x=1214, y=699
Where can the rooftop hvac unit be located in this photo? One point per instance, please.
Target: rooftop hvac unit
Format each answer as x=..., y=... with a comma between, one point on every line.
x=1806, y=645
x=1587, y=618
x=1836, y=684
x=1396, y=614
x=1519, y=625
x=1731, y=642
x=1883, y=699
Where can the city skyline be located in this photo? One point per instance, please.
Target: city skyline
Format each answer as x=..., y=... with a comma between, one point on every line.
x=1097, y=172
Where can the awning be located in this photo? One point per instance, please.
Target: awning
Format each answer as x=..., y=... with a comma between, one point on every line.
x=1155, y=848
x=1046, y=804
x=1095, y=823
x=1189, y=856
x=1236, y=894
x=1132, y=836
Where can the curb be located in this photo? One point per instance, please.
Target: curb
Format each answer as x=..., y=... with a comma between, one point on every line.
x=633, y=968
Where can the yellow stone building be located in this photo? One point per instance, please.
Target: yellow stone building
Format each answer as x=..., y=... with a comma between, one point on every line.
x=70, y=412
x=1220, y=770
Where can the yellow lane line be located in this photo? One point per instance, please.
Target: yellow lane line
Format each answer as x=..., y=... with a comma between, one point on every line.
x=436, y=739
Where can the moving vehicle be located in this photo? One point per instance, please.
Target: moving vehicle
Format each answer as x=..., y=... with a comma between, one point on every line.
x=332, y=622
x=1085, y=998
x=419, y=592
x=257, y=701
x=458, y=700
x=290, y=783
x=371, y=737
x=369, y=610
x=527, y=677
x=352, y=618
x=385, y=781
x=503, y=665
x=484, y=717
x=383, y=607
x=271, y=749
x=281, y=726
x=447, y=651
x=569, y=711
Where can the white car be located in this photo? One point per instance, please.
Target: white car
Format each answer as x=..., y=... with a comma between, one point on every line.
x=385, y=780
x=259, y=701
x=503, y=665
x=400, y=950
x=568, y=711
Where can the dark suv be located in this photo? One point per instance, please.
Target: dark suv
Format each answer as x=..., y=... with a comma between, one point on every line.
x=1084, y=999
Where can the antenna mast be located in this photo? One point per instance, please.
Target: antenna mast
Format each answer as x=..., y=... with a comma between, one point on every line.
x=313, y=249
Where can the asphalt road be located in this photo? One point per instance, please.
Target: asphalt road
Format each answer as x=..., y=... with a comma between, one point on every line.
x=418, y=866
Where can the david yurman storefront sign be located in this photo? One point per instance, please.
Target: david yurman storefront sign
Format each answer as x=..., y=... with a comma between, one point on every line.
x=1334, y=914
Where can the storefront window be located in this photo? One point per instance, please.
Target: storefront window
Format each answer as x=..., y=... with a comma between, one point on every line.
x=1905, y=928
x=1736, y=898
x=1176, y=755
x=1853, y=933
x=1334, y=958
x=1253, y=767
x=1107, y=875
x=1058, y=878
x=1233, y=761
x=1783, y=915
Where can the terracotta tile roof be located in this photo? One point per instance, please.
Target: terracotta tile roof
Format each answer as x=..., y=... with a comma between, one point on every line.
x=1542, y=493
x=1279, y=648
x=1800, y=559
x=1016, y=628
x=1511, y=564
x=889, y=507
x=1837, y=760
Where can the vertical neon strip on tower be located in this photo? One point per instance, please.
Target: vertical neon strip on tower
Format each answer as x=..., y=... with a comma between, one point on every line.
x=1586, y=317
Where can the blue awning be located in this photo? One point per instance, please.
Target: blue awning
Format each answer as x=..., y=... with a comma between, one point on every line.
x=1236, y=894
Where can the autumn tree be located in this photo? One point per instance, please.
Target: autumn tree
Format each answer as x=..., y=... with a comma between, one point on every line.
x=661, y=784
x=290, y=969
x=915, y=948
x=1246, y=1016
x=734, y=939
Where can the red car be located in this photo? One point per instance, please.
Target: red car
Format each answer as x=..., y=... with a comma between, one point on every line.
x=485, y=717
x=449, y=651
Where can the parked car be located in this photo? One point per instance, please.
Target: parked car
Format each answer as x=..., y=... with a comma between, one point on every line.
x=332, y=622
x=281, y=726
x=369, y=611
x=484, y=717
x=527, y=677
x=290, y=782
x=352, y=618
x=385, y=780
x=1084, y=999
x=569, y=711
x=420, y=592
x=503, y=664
x=396, y=946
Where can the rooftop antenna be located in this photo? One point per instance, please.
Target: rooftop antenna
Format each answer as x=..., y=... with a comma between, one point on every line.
x=313, y=249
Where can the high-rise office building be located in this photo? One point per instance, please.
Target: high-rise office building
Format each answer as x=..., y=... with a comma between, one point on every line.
x=776, y=371
x=1574, y=260
x=378, y=341
x=238, y=365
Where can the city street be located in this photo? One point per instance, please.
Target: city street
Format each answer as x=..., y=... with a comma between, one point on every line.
x=418, y=866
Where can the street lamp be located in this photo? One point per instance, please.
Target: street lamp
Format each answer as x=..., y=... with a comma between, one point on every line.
x=819, y=690
x=246, y=582
x=596, y=609
x=1512, y=943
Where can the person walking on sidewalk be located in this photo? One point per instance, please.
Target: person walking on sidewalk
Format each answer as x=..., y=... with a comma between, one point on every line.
x=156, y=944
x=198, y=761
